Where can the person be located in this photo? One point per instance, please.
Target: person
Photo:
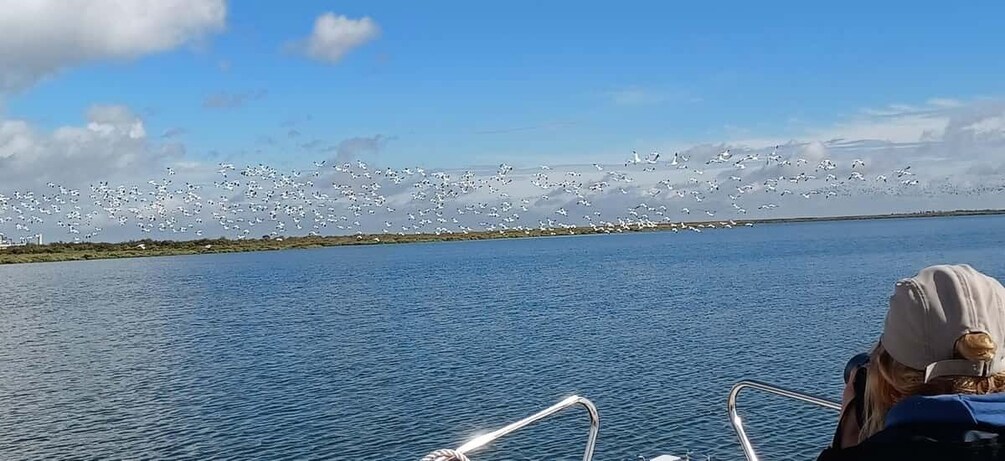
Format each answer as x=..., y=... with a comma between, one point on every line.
x=934, y=385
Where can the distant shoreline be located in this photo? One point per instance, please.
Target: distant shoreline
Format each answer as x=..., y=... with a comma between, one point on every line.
x=57, y=252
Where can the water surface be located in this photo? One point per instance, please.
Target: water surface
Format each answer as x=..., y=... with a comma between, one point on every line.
x=388, y=352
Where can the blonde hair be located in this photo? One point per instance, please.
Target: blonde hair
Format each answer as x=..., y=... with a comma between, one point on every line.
x=889, y=381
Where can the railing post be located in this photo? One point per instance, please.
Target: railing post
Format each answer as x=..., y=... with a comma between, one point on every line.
x=737, y=422
x=591, y=441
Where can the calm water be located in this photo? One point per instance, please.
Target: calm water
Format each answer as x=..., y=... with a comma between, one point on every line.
x=390, y=352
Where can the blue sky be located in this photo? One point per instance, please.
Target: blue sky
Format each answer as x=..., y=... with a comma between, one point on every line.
x=461, y=83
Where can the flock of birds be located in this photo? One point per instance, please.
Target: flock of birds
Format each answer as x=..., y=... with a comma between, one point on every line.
x=357, y=198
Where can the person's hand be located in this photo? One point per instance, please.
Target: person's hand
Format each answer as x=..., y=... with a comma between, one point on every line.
x=847, y=422
x=849, y=390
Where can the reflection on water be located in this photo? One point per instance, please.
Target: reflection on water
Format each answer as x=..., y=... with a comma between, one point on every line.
x=390, y=352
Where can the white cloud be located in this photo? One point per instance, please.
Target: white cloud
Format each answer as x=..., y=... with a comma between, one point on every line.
x=945, y=102
x=112, y=144
x=939, y=128
x=336, y=35
x=814, y=151
x=991, y=125
x=42, y=37
x=893, y=124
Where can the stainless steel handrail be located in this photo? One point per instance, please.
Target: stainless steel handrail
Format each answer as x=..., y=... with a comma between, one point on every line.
x=591, y=441
x=734, y=417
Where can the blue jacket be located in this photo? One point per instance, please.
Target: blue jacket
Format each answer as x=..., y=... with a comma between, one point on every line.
x=962, y=410
x=941, y=427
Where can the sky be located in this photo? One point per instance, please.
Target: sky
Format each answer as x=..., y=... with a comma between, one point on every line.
x=452, y=84
x=106, y=89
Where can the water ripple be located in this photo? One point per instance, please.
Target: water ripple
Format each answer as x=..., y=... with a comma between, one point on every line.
x=390, y=352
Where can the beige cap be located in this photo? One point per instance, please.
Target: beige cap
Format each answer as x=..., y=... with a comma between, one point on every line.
x=931, y=311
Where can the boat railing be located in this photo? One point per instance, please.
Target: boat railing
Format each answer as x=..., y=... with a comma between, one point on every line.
x=737, y=422
x=460, y=453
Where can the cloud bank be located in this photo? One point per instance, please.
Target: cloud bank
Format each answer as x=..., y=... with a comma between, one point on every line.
x=900, y=158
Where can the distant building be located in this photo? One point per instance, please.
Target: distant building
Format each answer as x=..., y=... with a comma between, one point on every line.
x=5, y=243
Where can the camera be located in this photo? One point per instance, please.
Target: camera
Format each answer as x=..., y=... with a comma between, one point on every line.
x=859, y=361
x=855, y=372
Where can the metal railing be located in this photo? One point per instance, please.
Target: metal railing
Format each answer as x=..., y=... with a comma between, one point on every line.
x=591, y=441
x=737, y=422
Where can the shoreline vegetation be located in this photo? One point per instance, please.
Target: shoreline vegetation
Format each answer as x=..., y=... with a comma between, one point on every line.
x=59, y=251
